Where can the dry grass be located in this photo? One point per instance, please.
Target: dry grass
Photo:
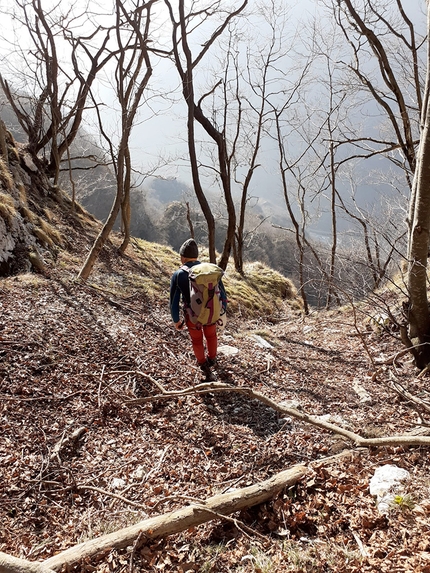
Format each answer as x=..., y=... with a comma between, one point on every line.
x=260, y=292
x=7, y=208
x=5, y=175
x=50, y=235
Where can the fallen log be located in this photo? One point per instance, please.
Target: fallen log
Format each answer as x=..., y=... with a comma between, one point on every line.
x=9, y=564
x=176, y=521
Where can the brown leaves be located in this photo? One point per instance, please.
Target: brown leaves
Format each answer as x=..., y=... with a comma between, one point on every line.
x=70, y=360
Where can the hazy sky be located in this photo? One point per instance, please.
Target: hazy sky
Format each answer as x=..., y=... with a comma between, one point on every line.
x=161, y=130
x=165, y=131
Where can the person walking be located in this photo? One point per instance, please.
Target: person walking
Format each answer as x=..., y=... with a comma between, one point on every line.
x=180, y=291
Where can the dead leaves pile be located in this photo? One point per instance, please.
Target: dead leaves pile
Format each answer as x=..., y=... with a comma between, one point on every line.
x=76, y=462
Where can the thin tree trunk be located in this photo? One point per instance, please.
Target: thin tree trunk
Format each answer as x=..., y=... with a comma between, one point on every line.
x=418, y=248
x=125, y=204
x=102, y=237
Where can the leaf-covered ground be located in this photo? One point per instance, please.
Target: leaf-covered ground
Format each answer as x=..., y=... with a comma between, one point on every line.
x=73, y=354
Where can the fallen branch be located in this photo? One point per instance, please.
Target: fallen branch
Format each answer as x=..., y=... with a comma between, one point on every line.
x=180, y=520
x=99, y=290
x=65, y=441
x=401, y=391
x=110, y=494
x=402, y=440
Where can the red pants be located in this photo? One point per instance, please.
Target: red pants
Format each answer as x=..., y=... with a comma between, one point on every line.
x=196, y=334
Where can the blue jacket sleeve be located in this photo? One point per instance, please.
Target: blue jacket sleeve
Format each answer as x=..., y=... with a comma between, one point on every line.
x=175, y=297
x=223, y=295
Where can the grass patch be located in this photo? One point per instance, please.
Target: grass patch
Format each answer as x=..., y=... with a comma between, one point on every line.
x=5, y=175
x=51, y=235
x=260, y=291
x=27, y=280
x=320, y=556
x=7, y=208
x=27, y=214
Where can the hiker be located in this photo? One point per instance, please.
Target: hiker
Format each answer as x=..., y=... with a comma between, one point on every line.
x=180, y=289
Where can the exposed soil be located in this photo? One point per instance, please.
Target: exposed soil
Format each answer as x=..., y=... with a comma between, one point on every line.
x=71, y=356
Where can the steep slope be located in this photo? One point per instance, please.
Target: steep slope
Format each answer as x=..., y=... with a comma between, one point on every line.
x=78, y=460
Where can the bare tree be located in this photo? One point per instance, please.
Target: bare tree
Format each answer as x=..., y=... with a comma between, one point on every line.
x=295, y=170
x=333, y=141
x=333, y=123
x=238, y=111
x=260, y=73
x=182, y=26
x=391, y=35
x=383, y=32
x=418, y=314
x=295, y=202
x=52, y=113
x=132, y=73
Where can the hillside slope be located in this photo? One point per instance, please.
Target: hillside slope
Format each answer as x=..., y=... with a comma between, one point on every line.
x=78, y=461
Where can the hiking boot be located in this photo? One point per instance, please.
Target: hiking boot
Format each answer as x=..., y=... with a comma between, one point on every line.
x=212, y=361
x=206, y=371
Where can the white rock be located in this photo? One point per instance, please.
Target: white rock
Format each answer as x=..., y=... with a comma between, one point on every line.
x=118, y=483
x=261, y=341
x=385, y=483
x=365, y=397
x=227, y=350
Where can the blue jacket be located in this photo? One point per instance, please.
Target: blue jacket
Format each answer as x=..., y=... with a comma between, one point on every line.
x=179, y=289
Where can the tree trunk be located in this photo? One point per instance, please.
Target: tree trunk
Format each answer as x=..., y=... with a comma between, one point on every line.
x=181, y=519
x=9, y=564
x=125, y=205
x=102, y=237
x=418, y=248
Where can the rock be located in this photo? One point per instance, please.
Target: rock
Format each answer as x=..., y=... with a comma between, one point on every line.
x=365, y=397
x=261, y=341
x=384, y=485
x=227, y=350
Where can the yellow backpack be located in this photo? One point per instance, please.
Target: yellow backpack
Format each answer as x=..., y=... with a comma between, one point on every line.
x=205, y=297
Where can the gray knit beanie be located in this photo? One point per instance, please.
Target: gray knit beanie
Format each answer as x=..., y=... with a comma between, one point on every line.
x=189, y=249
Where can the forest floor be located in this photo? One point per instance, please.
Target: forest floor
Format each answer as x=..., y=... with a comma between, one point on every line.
x=72, y=355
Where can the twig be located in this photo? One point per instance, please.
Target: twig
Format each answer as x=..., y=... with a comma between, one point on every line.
x=401, y=391
x=160, y=461
x=424, y=371
x=199, y=504
x=35, y=399
x=245, y=529
x=203, y=388
x=393, y=359
x=151, y=379
x=136, y=546
x=363, y=550
x=101, y=291
x=147, y=476
x=110, y=494
x=100, y=387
